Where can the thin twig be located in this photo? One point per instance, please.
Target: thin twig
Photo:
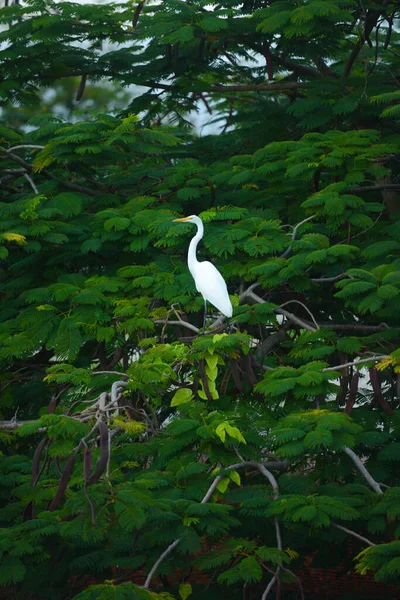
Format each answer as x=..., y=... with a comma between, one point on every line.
x=294, y=233
x=295, y=319
x=281, y=311
x=297, y=579
x=305, y=308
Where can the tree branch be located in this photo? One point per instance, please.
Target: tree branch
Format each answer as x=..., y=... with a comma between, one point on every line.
x=305, y=308
x=110, y=373
x=24, y=146
x=182, y=323
x=294, y=233
x=357, y=362
x=136, y=16
x=295, y=319
x=330, y=279
x=360, y=466
x=370, y=22
x=159, y=561
x=284, y=86
x=373, y=188
x=353, y=533
x=30, y=181
x=261, y=467
x=270, y=585
x=281, y=311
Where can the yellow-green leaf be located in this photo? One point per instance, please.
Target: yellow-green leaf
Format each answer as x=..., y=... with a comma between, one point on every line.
x=182, y=396
x=222, y=485
x=234, y=475
x=185, y=589
x=14, y=237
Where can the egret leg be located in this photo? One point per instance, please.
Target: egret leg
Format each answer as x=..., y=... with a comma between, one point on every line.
x=205, y=315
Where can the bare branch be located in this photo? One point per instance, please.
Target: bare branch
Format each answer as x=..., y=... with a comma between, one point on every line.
x=15, y=424
x=30, y=181
x=24, y=146
x=136, y=16
x=281, y=311
x=295, y=319
x=211, y=489
x=305, y=308
x=159, y=561
x=294, y=233
x=16, y=158
x=284, y=86
x=360, y=466
x=270, y=585
x=182, y=323
x=115, y=391
x=374, y=188
x=188, y=325
x=110, y=373
x=353, y=533
x=370, y=22
x=81, y=88
x=258, y=465
x=264, y=471
x=357, y=362
x=330, y=279
x=354, y=327
x=297, y=579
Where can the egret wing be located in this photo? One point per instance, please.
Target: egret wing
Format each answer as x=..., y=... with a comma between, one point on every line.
x=210, y=283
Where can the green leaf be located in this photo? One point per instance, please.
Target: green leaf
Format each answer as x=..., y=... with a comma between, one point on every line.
x=224, y=428
x=185, y=590
x=91, y=245
x=12, y=570
x=234, y=475
x=213, y=24
x=182, y=396
x=223, y=484
x=68, y=203
x=318, y=437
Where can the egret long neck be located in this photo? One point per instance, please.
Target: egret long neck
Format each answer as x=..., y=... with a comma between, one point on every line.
x=192, y=258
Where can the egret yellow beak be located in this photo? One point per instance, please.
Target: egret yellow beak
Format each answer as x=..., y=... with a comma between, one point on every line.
x=181, y=220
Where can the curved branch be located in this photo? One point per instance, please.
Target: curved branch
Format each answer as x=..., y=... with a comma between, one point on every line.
x=159, y=561
x=305, y=308
x=262, y=468
x=360, y=466
x=353, y=533
x=33, y=146
x=294, y=233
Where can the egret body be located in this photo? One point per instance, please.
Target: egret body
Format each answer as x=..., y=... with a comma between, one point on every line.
x=208, y=280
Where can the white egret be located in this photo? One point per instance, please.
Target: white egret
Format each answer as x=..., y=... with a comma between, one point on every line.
x=208, y=280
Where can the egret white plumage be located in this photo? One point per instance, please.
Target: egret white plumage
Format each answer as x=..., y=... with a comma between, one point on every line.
x=208, y=280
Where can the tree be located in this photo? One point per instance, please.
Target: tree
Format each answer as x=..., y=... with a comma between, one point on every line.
x=137, y=453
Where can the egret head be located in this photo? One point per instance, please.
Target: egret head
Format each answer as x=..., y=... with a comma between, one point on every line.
x=192, y=219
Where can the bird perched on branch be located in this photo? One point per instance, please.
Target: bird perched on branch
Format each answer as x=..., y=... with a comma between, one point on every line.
x=208, y=280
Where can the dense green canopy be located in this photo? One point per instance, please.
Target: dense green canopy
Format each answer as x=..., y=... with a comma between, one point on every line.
x=141, y=456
